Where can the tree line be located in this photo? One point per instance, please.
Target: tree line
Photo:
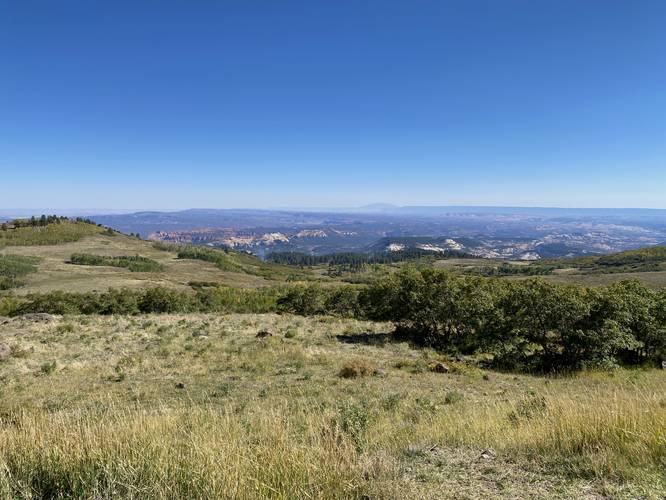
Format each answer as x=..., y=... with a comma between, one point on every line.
x=357, y=259
x=33, y=221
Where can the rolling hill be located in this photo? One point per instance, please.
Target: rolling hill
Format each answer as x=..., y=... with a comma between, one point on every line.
x=53, y=247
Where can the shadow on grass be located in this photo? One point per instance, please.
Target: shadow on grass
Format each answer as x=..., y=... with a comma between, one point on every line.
x=374, y=339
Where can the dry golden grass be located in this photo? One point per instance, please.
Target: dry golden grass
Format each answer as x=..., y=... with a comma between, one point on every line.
x=196, y=406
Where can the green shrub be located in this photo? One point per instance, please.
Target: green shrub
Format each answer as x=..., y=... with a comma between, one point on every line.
x=227, y=299
x=48, y=368
x=453, y=397
x=527, y=325
x=312, y=299
x=165, y=300
x=354, y=420
x=134, y=263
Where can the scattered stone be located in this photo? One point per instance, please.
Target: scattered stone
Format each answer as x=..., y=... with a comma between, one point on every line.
x=488, y=454
x=380, y=372
x=663, y=365
x=180, y=385
x=38, y=317
x=441, y=368
x=5, y=352
x=263, y=334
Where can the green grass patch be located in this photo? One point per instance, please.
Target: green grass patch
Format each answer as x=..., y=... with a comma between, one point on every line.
x=15, y=267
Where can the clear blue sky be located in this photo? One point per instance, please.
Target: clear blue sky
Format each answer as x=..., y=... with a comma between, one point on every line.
x=260, y=103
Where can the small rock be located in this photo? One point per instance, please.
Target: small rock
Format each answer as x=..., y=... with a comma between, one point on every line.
x=5, y=352
x=380, y=372
x=441, y=368
x=663, y=365
x=38, y=317
x=180, y=385
x=488, y=454
x=263, y=334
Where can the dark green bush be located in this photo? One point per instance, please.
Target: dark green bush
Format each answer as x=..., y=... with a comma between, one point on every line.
x=134, y=263
x=529, y=325
x=312, y=299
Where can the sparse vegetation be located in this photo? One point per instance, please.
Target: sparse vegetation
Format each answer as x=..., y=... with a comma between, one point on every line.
x=267, y=418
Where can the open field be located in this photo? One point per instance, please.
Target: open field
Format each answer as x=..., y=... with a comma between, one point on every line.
x=174, y=406
x=56, y=273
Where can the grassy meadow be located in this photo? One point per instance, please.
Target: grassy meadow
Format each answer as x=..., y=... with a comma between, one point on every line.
x=173, y=406
x=56, y=272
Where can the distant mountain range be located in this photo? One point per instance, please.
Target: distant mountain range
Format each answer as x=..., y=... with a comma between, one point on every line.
x=498, y=232
x=517, y=233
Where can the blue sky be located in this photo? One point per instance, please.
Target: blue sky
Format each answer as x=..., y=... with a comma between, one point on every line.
x=251, y=103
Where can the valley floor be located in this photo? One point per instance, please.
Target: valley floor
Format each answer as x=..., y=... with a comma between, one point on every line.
x=196, y=406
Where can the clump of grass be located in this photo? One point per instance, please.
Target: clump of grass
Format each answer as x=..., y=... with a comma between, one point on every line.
x=453, y=397
x=527, y=409
x=354, y=420
x=357, y=368
x=48, y=368
x=412, y=365
x=64, y=328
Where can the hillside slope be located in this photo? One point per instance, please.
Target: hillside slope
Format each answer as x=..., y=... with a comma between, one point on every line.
x=55, y=271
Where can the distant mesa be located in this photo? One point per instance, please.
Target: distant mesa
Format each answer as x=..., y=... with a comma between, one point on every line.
x=311, y=233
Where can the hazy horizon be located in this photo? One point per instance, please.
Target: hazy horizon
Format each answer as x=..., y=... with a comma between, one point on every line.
x=387, y=208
